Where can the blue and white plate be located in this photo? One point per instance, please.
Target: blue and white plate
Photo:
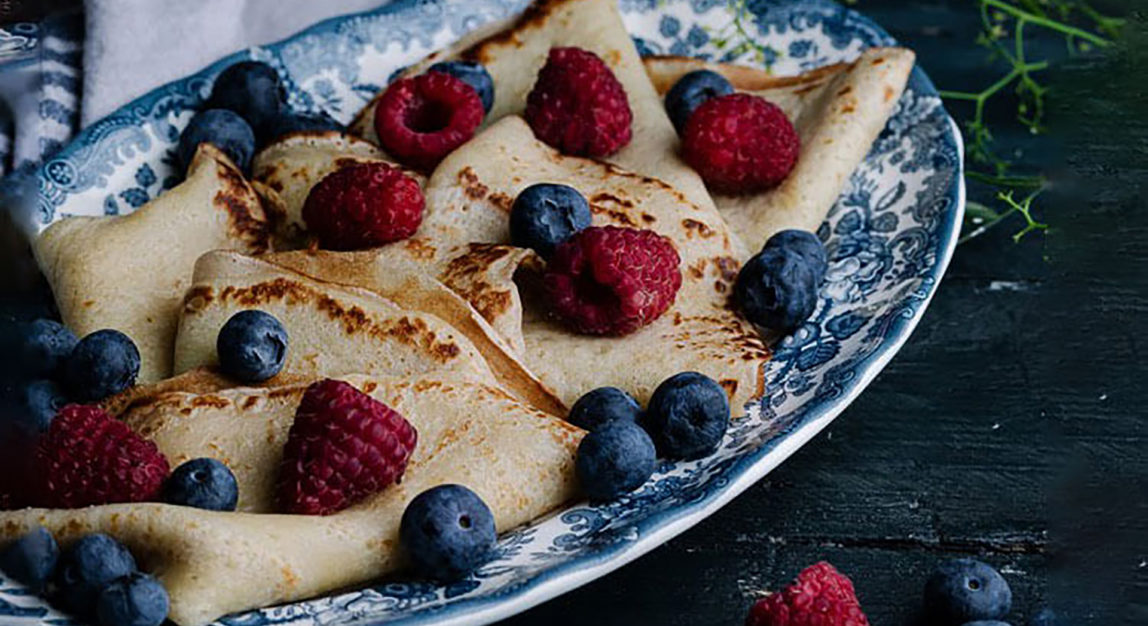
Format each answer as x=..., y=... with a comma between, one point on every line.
x=890, y=237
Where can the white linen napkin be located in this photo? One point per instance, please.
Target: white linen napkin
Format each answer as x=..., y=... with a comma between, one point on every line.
x=135, y=45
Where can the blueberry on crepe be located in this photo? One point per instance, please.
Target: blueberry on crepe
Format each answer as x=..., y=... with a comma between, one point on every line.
x=223, y=128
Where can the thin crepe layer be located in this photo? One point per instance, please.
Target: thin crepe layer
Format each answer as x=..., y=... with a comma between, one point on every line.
x=514, y=54
x=332, y=329
x=86, y=259
x=468, y=201
x=413, y=286
x=296, y=162
x=520, y=461
x=837, y=110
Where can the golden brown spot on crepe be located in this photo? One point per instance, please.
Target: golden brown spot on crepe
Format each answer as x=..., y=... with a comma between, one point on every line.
x=276, y=185
x=889, y=93
x=719, y=286
x=703, y=231
x=613, y=58
x=502, y=201
x=420, y=248
x=249, y=402
x=290, y=578
x=370, y=386
x=649, y=219
x=697, y=270
x=604, y=197
x=212, y=401
x=730, y=386
x=464, y=274
x=727, y=267
x=88, y=303
x=804, y=90
x=243, y=221
x=407, y=331
x=426, y=385
x=342, y=162
x=878, y=60
x=535, y=15
x=473, y=189
x=844, y=90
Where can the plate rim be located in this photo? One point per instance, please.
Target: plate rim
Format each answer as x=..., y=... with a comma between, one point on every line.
x=658, y=528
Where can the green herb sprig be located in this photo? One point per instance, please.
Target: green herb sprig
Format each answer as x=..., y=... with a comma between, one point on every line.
x=1083, y=29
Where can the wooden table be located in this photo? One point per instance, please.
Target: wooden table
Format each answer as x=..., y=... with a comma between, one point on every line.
x=1010, y=428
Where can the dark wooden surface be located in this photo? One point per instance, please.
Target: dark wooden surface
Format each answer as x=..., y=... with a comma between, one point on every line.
x=1012, y=425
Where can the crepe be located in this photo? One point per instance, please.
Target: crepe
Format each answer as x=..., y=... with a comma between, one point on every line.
x=837, y=110
x=129, y=272
x=294, y=163
x=332, y=329
x=464, y=240
x=514, y=51
x=520, y=461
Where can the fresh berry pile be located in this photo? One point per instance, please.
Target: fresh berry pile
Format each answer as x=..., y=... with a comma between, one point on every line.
x=422, y=119
x=342, y=447
x=606, y=280
x=578, y=106
x=96, y=578
x=362, y=206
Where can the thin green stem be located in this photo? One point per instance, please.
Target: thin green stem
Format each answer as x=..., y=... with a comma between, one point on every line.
x=1050, y=24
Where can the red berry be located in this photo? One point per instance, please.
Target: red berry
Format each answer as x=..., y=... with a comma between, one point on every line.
x=420, y=120
x=740, y=143
x=578, y=106
x=607, y=280
x=87, y=458
x=343, y=446
x=362, y=206
x=821, y=596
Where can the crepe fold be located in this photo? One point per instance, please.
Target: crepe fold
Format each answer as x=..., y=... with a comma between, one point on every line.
x=513, y=51
x=130, y=272
x=838, y=111
x=519, y=460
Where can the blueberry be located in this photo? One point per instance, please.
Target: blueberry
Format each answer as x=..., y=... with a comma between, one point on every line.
x=203, y=484
x=1044, y=617
x=473, y=74
x=691, y=91
x=616, y=459
x=223, y=128
x=807, y=245
x=545, y=215
x=447, y=532
x=31, y=559
x=105, y=362
x=251, y=89
x=134, y=600
x=777, y=289
x=87, y=567
x=252, y=346
x=41, y=347
x=688, y=415
x=965, y=590
x=287, y=122
x=602, y=406
x=36, y=405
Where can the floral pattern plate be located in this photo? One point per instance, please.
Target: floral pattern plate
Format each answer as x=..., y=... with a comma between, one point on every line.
x=890, y=237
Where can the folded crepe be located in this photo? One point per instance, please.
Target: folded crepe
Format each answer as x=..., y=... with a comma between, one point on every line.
x=838, y=111
x=519, y=460
x=332, y=329
x=294, y=163
x=130, y=272
x=513, y=51
x=464, y=241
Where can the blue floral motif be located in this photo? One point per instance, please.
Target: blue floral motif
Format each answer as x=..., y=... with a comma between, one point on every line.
x=889, y=236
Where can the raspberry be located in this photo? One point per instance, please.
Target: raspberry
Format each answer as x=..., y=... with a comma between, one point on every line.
x=363, y=205
x=606, y=280
x=821, y=596
x=420, y=120
x=89, y=458
x=740, y=143
x=343, y=446
x=578, y=106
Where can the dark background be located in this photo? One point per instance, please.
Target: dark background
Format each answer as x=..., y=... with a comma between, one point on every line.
x=1011, y=426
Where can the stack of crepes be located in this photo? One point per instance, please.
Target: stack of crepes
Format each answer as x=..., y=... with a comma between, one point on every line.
x=435, y=326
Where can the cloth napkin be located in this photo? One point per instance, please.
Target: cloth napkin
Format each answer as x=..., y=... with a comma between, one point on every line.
x=84, y=66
